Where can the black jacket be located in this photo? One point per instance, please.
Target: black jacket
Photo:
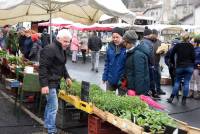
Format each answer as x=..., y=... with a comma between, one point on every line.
x=34, y=54
x=45, y=39
x=52, y=65
x=94, y=43
x=185, y=55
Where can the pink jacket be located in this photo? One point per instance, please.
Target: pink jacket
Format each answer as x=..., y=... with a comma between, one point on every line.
x=74, y=44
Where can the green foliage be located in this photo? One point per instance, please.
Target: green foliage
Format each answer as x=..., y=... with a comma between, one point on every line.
x=155, y=120
x=13, y=59
x=124, y=106
x=3, y=54
x=12, y=41
x=75, y=89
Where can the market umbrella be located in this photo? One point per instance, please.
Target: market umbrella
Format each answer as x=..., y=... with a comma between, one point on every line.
x=82, y=11
x=57, y=22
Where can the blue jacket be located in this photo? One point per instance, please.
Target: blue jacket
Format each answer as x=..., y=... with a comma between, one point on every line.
x=114, y=64
x=197, y=56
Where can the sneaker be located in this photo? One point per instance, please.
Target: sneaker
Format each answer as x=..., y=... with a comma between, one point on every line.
x=155, y=96
x=97, y=70
x=161, y=92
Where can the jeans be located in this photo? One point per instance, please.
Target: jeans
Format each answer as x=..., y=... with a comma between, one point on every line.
x=182, y=73
x=51, y=111
x=172, y=75
x=152, y=79
x=157, y=77
x=95, y=59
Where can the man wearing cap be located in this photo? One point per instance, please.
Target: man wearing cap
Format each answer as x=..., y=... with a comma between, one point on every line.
x=137, y=64
x=115, y=60
x=147, y=42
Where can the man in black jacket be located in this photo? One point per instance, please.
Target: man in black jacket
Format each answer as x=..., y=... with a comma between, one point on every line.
x=94, y=44
x=51, y=70
x=156, y=62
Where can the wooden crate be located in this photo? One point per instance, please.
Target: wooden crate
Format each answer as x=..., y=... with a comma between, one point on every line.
x=97, y=126
x=125, y=125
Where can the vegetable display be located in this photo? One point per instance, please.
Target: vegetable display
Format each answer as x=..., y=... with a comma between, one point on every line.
x=131, y=108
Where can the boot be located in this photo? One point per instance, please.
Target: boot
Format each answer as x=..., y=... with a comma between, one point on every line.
x=169, y=100
x=177, y=97
x=184, y=100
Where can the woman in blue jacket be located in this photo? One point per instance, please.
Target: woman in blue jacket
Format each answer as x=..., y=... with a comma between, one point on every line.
x=115, y=60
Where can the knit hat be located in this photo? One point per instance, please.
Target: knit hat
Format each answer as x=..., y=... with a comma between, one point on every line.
x=154, y=31
x=118, y=30
x=130, y=36
x=147, y=32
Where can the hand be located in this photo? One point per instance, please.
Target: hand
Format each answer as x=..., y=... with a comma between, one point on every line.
x=45, y=90
x=69, y=82
x=104, y=82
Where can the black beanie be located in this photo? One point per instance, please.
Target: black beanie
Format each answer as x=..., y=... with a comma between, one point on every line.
x=118, y=30
x=154, y=31
x=147, y=32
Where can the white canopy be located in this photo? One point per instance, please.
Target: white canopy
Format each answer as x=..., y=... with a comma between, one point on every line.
x=58, y=22
x=82, y=11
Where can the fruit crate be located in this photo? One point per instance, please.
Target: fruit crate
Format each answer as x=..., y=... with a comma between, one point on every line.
x=97, y=126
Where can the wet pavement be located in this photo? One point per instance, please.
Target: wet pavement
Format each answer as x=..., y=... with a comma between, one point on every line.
x=10, y=124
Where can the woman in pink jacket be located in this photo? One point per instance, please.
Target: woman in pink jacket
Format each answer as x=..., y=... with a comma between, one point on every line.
x=74, y=47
